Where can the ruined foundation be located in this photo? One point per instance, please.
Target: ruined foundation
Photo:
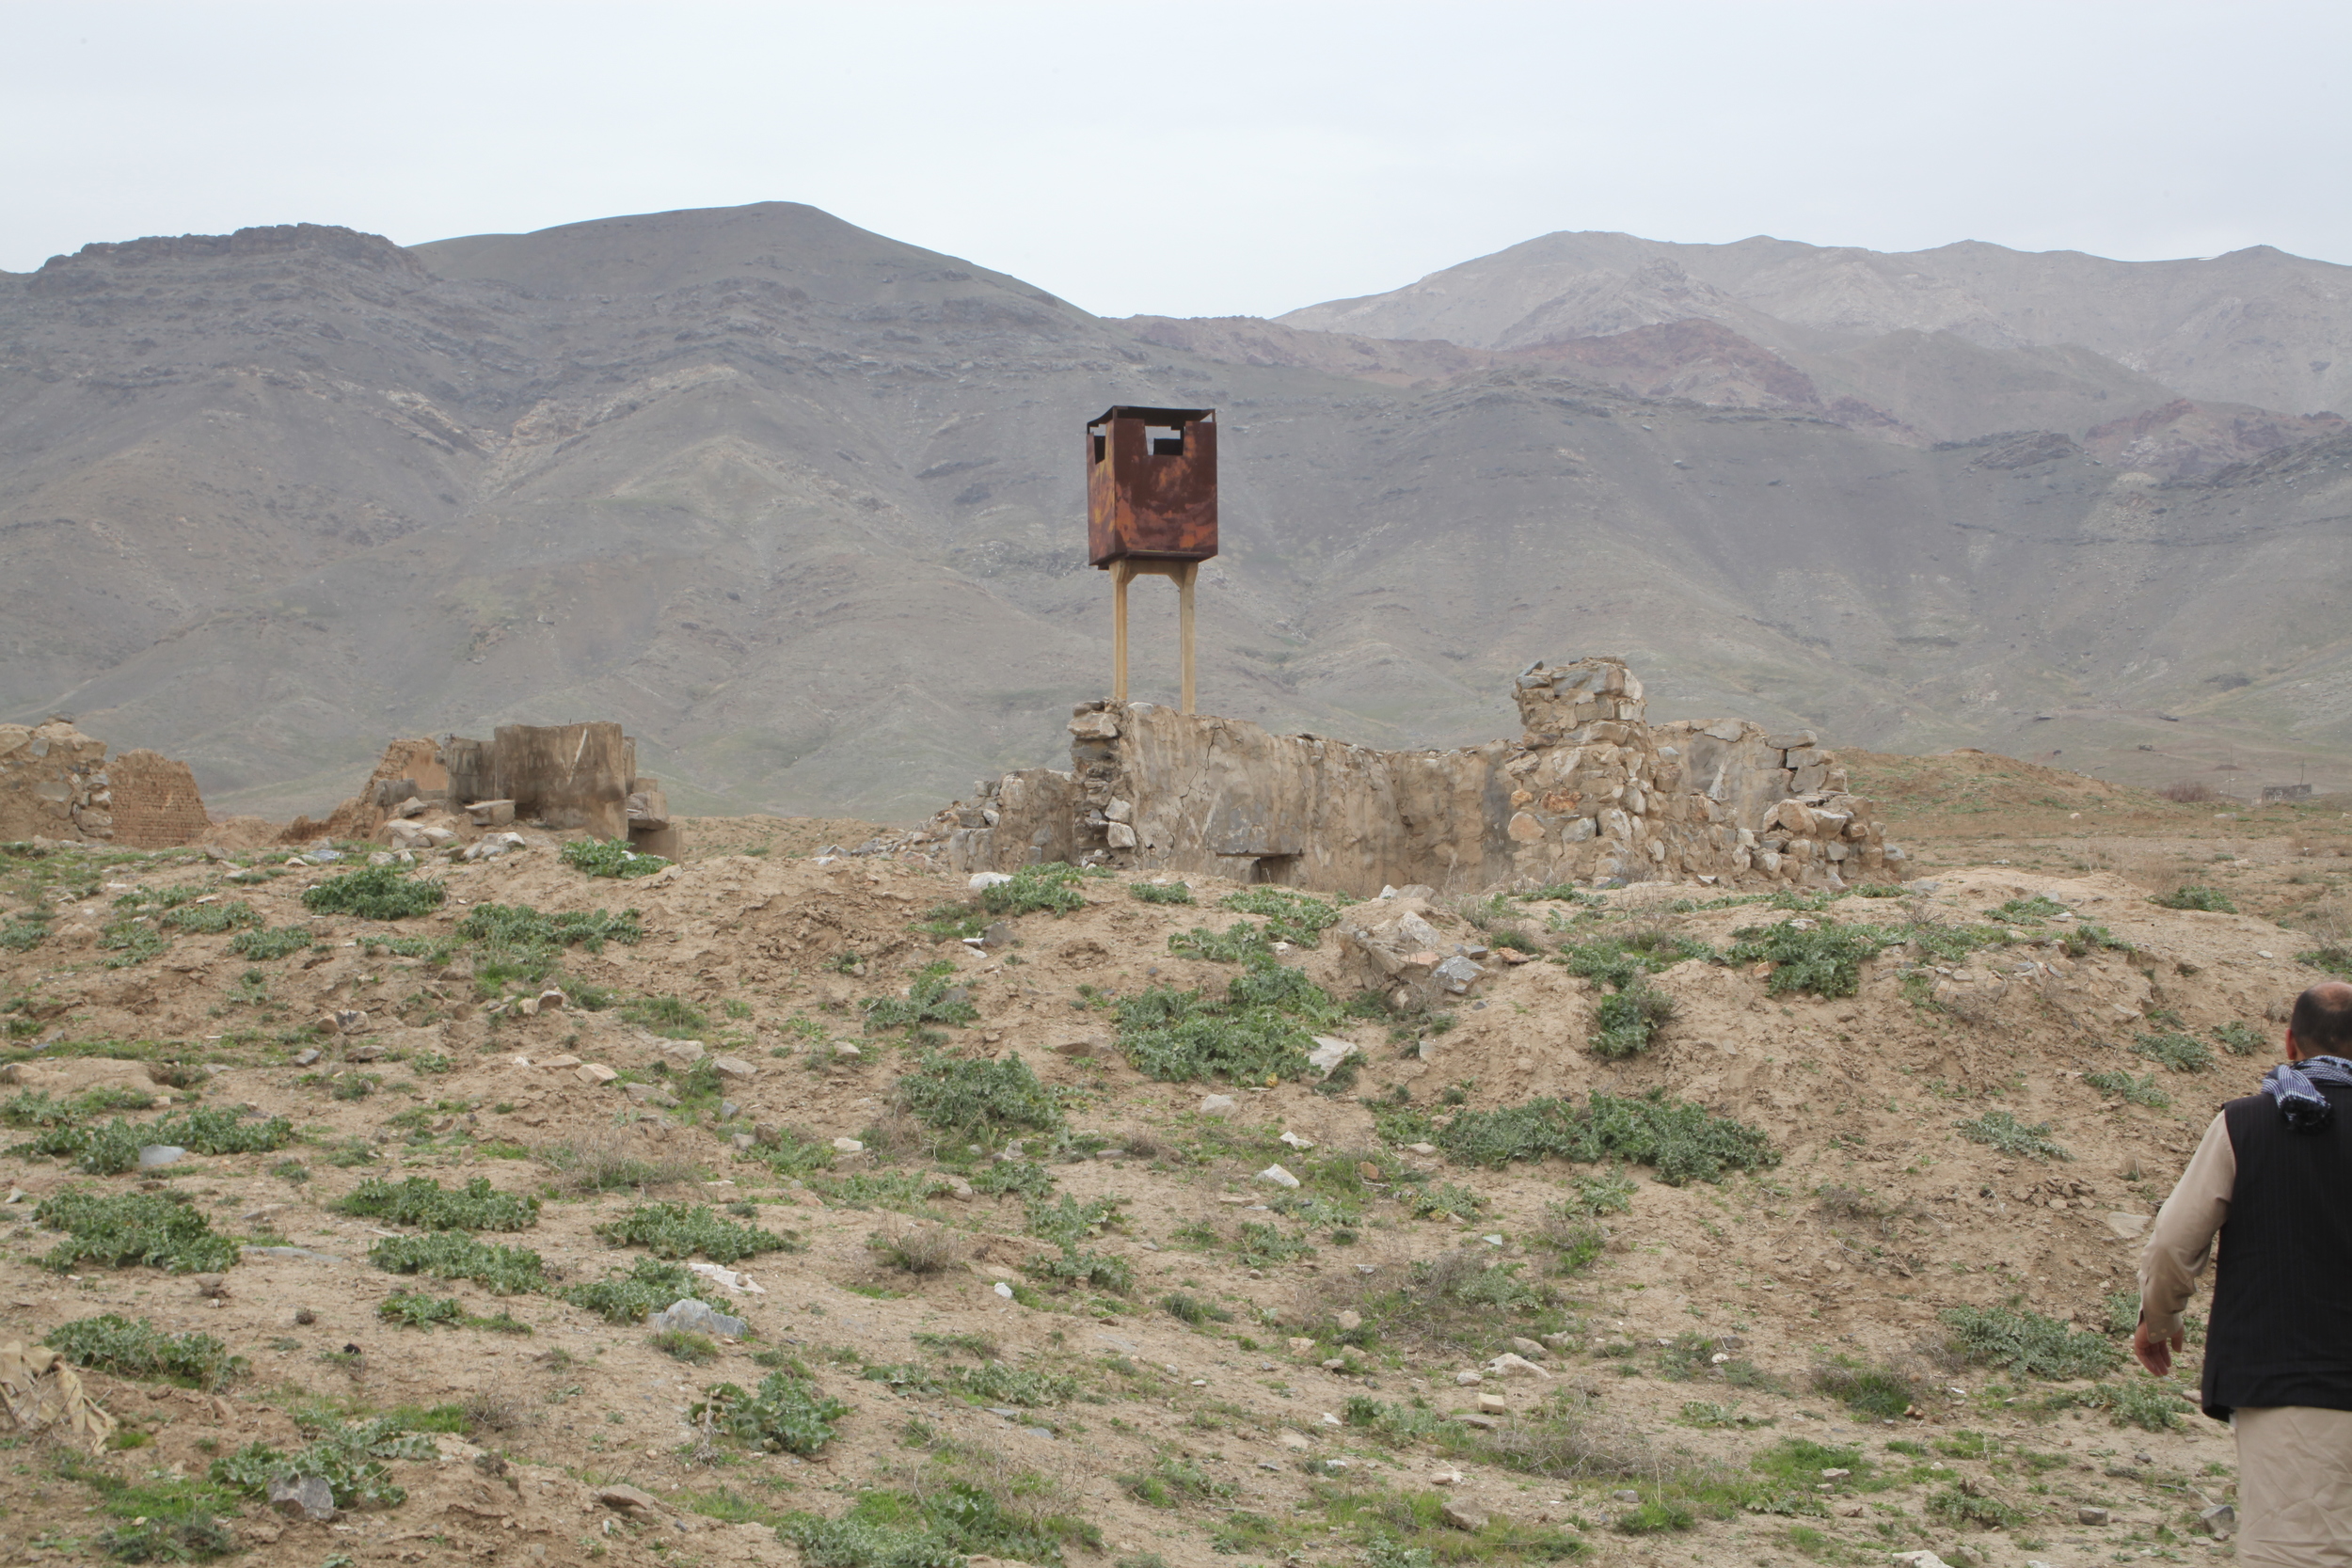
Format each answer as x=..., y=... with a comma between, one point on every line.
x=1590, y=792
x=56, y=783
x=558, y=776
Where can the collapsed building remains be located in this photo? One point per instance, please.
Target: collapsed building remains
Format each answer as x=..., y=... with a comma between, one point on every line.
x=56, y=783
x=558, y=776
x=1590, y=792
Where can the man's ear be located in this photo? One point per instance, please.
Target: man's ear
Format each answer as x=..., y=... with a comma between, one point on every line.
x=2295, y=1052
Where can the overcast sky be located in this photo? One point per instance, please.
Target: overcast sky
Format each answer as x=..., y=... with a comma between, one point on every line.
x=1191, y=158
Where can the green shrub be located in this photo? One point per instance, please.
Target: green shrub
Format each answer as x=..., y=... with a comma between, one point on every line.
x=2028, y=1345
x=421, y=1201
x=159, y=1231
x=212, y=1130
x=1161, y=892
x=2004, y=1131
x=939, y=1528
x=1020, y=1178
x=1880, y=1392
x=350, y=1458
x=455, y=1254
x=684, y=1344
x=1680, y=1139
x=649, y=1287
x=2089, y=937
x=158, y=1519
x=1627, y=1020
x=1824, y=961
x=676, y=1231
x=994, y=1383
x=932, y=996
x=133, y=939
x=670, y=1017
x=1239, y=942
x=263, y=943
x=2143, y=1402
x=1192, y=1309
x=141, y=1349
x=2238, y=1040
x=1292, y=917
x=609, y=858
x=374, y=892
x=2141, y=1090
x=2211, y=899
x=2026, y=910
x=2333, y=956
x=211, y=919
x=786, y=1415
x=979, y=1099
x=2179, y=1051
x=1965, y=1510
x=1052, y=887
x=1444, y=1201
x=20, y=935
x=1261, y=1033
x=415, y=1309
x=1619, y=961
x=515, y=942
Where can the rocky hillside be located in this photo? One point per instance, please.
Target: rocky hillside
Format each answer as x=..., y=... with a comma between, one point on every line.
x=414, y=1211
x=800, y=506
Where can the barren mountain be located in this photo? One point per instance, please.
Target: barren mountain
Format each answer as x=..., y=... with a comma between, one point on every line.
x=802, y=507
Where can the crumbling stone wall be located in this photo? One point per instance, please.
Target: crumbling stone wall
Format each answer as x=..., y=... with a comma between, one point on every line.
x=1590, y=792
x=559, y=776
x=155, y=801
x=53, y=783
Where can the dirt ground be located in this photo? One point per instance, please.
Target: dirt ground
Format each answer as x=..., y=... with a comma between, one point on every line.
x=1692, y=1352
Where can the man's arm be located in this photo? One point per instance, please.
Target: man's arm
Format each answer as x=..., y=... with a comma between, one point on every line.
x=2179, y=1242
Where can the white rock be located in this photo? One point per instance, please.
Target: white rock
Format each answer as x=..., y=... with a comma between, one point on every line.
x=848, y=1145
x=1329, y=1051
x=1296, y=1141
x=1119, y=836
x=739, y=1283
x=982, y=880
x=1216, y=1104
x=1468, y=1379
x=1278, y=1175
x=1512, y=1364
x=1003, y=1290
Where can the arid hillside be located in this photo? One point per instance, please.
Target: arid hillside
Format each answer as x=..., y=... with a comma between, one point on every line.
x=1699, y=1229
x=802, y=507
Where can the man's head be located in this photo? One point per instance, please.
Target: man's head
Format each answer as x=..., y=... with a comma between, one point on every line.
x=2321, y=1025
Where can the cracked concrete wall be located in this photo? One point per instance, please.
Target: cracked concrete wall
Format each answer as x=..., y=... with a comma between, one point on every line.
x=1590, y=792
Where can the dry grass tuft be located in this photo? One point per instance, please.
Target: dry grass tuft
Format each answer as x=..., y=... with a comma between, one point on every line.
x=919, y=1249
x=607, y=1158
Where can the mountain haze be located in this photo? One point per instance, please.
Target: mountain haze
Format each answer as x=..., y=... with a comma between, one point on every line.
x=802, y=505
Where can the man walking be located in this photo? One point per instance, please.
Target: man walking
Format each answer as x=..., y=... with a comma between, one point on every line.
x=2273, y=1179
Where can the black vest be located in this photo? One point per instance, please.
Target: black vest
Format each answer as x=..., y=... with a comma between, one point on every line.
x=2281, y=1330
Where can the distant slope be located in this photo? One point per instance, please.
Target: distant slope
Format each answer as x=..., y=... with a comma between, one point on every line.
x=801, y=506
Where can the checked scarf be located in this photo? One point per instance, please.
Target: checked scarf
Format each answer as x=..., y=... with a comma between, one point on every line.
x=2295, y=1087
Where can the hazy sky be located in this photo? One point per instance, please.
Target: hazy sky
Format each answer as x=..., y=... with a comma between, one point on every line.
x=1194, y=159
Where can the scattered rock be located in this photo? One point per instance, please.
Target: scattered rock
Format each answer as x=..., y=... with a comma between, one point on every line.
x=1300, y=1344
x=1295, y=1440
x=848, y=1145
x=1329, y=1053
x=1527, y=1348
x=2219, y=1521
x=1468, y=1379
x=1277, y=1177
x=628, y=1499
x=699, y=1317
x=1350, y=1320
x=1493, y=1404
x=595, y=1073
x=733, y=1067
x=154, y=1155
x=1512, y=1364
x=1296, y=1141
x=303, y=1497
x=1463, y=1514
x=1216, y=1104
x=2091, y=1515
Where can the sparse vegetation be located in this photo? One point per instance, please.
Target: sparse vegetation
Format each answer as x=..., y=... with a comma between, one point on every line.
x=2141, y=1090
x=141, y=1349
x=2027, y=1343
x=2190, y=897
x=1820, y=958
x=375, y=893
x=2004, y=1131
x=1161, y=892
x=600, y=857
x=977, y=1098
x=1050, y=888
x=158, y=1230
x=675, y=1230
x=1681, y=1140
x=786, y=1415
x=421, y=1201
x=2181, y=1052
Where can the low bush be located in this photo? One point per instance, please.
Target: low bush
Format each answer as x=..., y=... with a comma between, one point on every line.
x=1825, y=961
x=1193, y=1310
x=649, y=1287
x=415, y=1309
x=677, y=1231
x=934, y=996
x=2238, y=1040
x=141, y=1349
x=1292, y=917
x=1881, y=1390
x=21, y=935
x=600, y=857
x=1621, y=960
x=211, y=919
x=374, y=892
x=1625, y=1020
x=919, y=1249
x=2028, y=1345
x=2211, y=899
x=421, y=1201
x=515, y=942
x=940, y=1528
x=2004, y=1131
x=979, y=1099
x=1051, y=888
x=2141, y=1090
x=211, y=1130
x=1680, y=1139
x=455, y=1254
x=786, y=1415
x=1161, y=892
x=349, y=1457
x=672, y=1018
x=263, y=943
x=1259, y=1034
x=684, y=1344
x=2181, y=1052
x=161, y=1230
x=2143, y=1402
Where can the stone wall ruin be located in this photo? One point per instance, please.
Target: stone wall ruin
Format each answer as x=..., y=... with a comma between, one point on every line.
x=57, y=783
x=558, y=776
x=1590, y=792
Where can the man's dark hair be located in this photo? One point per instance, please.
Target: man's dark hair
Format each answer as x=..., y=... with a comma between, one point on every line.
x=2322, y=1019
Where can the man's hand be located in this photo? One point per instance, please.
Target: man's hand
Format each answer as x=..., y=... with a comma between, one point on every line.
x=2153, y=1352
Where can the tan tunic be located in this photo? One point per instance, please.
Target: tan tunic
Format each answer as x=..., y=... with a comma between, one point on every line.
x=2294, y=1463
